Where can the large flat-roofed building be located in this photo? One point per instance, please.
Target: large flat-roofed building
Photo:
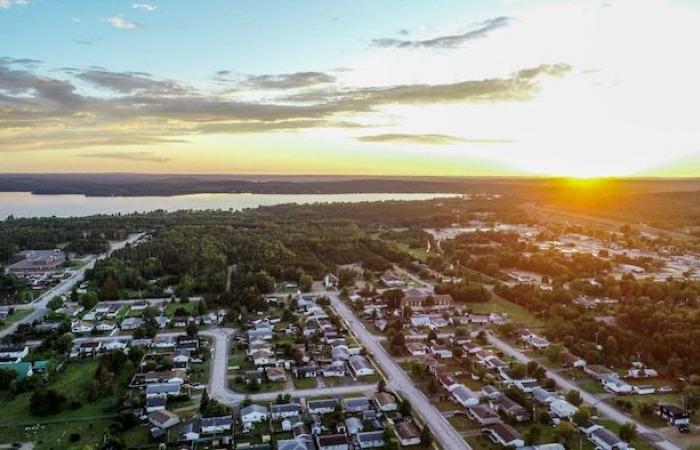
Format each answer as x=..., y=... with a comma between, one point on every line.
x=37, y=261
x=417, y=300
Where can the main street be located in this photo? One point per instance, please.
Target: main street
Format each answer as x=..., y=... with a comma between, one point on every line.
x=218, y=376
x=603, y=408
x=64, y=287
x=397, y=380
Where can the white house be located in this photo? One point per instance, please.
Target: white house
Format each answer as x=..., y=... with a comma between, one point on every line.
x=562, y=409
x=504, y=435
x=80, y=327
x=465, y=396
x=216, y=425
x=612, y=383
x=644, y=389
x=254, y=414
x=360, y=366
x=285, y=411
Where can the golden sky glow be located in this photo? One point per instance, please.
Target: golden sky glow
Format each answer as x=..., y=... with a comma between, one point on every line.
x=574, y=88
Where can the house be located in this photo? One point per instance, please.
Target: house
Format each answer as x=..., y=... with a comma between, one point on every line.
x=321, y=406
x=385, y=401
x=353, y=425
x=612, y=383
x=644, y=389
x=131, y=323
x=300, y=442
x=105, y=325
x=167, y=389
x=285, y=411
x=163, y=419
x=510, y=407
x=504, y=435
x=337, y=441
x=330, y=281
x=465, y=396
x=407, y=433
x=176, y=376
x=674, y=415
x=14, y=352
x=216, y=425
x=381, y=324
x=333, y=370
x=156, y=403
x=415, y=348
x=471, y=348
x=562, y=409
x=115, y=344
x=355, y=404
x=81, y=327
x=360, y=366
x=420, y=320
x=570, y=360
x=275, y=374
x=606, y=440
x=418, y=300
x=253, y=377
x=37, y=261
x=163, y=341
x=254, y=414
x=542, y=396
x=642, y=373
x=441, y=351
x=491, y=392
x=597, y=372
x=483, y=415
x=263, y=333
x=370, y=439
x=391, y=281
x=309, y=370
x=162, y=321
x=526, y=385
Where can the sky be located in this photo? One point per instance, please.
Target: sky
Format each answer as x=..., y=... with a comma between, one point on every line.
x=581, y=88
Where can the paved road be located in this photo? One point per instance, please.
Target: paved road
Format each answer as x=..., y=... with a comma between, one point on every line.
x=397, y=380
x=63, y=288
x=218, y=376
x=603, y=408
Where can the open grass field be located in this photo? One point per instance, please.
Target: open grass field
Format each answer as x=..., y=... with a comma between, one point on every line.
x=19, y=314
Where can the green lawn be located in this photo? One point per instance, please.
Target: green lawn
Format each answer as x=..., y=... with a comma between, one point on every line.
x=638, y=442
x=172, y=307
x=58, y=435
x=252, y=389
x=304, y=383
x=17, y=315
x=515, y=312
x=592, y=387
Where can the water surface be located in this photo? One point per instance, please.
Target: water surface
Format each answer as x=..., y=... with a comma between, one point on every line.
x=25, y=204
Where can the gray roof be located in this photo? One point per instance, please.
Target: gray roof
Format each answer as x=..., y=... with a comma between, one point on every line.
x=253, y=408
x=315, y=404
x=358, y=403
x=359, y=362
x=217, y=421
x=370, y=436
x=606, y=436
x=162, y=388
x=286, y=407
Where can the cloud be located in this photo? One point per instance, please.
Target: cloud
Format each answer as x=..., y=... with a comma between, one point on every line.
x=130, y=82
x=144, y=7
x=287, y=81
x=45, y=112
x=431, y=139
x=147, y=156
x=121, y=23
x=7, y=4
x=482, y=30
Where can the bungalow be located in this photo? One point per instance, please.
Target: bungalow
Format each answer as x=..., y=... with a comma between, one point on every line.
x=607, y=440
x=275, y=374
x=14, y=352
x=465, y=396
x=612, y=383
x=174, y=376
x=420, y=320
x=301, y=442
x=89, y=347
x=162, y=321
x=542, y=396
x=385, y=401
x=260, y=333
x=254, y=414
x=309, y=370
x=333, y=370
x=562, y=409
x=157, y=389
x=415, y=348
x=491, y=392
x=360, y=366
x=674, y=415
x=642, y=373
x=115, y=344
x=370, y=439
x=262, y=359
x=105, y=325
x=81, y=327
x=163, y=341
x=438, y=322
x=321, y=406
x=163, y=419
x=407, y=433
x=156, y=403
x=510, y=407
x=332, y=442
x=495, y=363
x=285, y=411
x=526, y=385
x=131, y=323
x=483, y=415
x=570, y=360
x=216, y=425
x=597, y=372
x=644, y=389
x=355, y=404
x=441, y=351
x=353, y=425
x=253, y=377
x=188, y=342
x=471, y=348
x=504, y=435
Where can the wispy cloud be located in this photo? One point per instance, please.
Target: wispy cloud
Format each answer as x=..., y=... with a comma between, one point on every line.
x=147, y=156
x=144, y=7
x=130, y=82
x=120, y=23
x=481, y=30
x=431, y=139
x=7, y=4
x=287, y=80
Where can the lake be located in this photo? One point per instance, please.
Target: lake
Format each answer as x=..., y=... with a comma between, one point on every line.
x=26, y=204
